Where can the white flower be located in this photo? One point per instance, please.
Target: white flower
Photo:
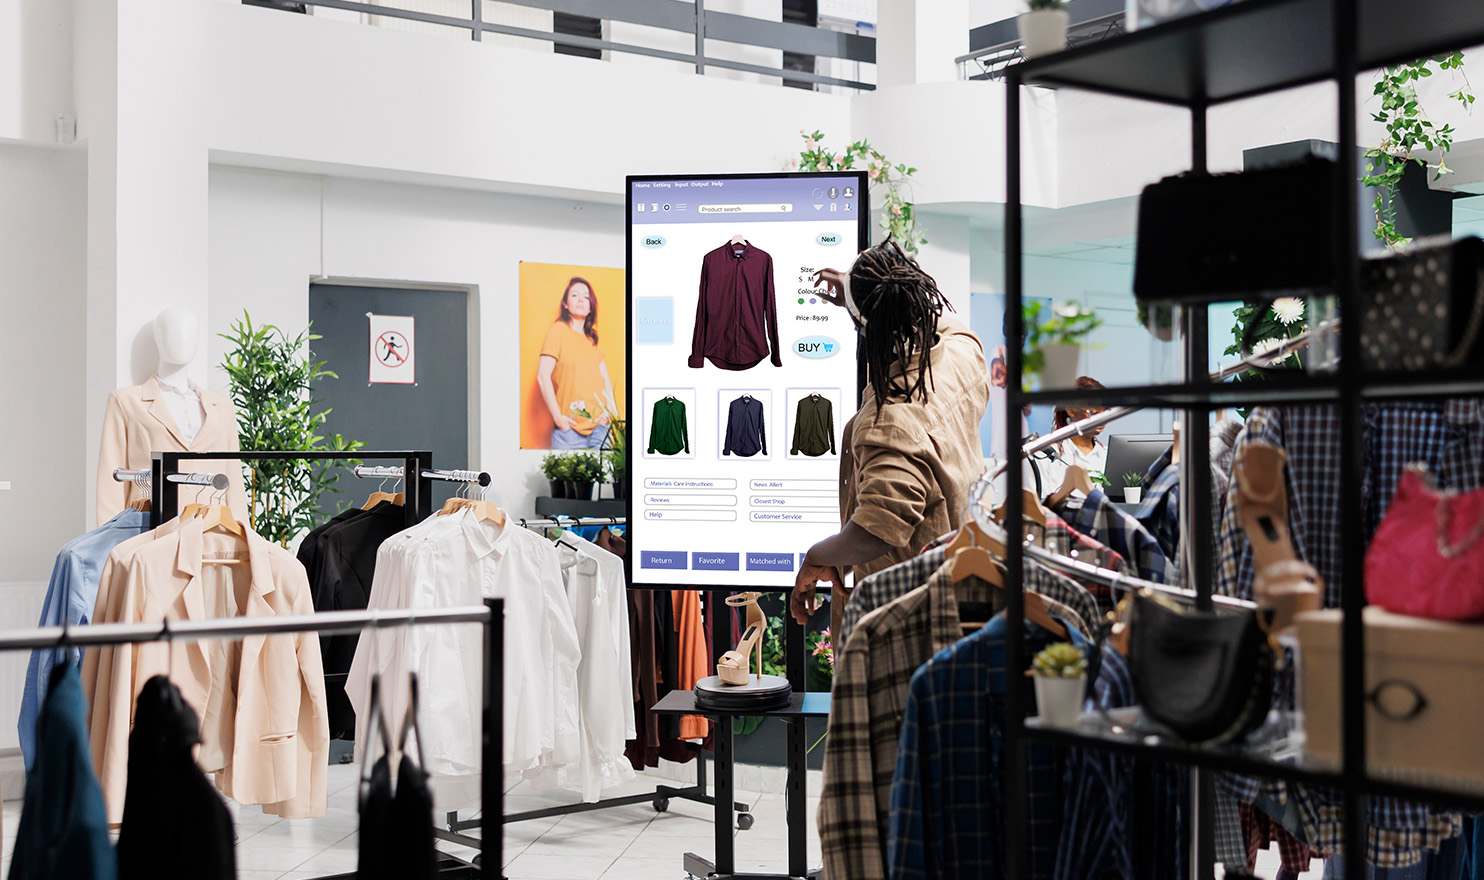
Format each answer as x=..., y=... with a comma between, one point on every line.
x=809, y=144
x=1068, y=310
x=1268, y=345
x=1288, y=309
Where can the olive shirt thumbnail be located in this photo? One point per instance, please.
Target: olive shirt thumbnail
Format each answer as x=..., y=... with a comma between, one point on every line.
x=814, y=426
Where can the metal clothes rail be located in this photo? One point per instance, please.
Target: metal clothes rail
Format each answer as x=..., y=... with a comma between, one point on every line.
x=492, y=717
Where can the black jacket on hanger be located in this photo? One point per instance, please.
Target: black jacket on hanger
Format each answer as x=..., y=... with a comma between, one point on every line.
x=176, y=826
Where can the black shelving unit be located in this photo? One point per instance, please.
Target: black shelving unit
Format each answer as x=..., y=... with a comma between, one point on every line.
x=1253, y=48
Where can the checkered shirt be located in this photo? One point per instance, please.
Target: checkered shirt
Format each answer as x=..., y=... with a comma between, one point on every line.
x=867, y=703
x=946, y=799
x=1100, y=519
x=889, y=584
x=1159, y=506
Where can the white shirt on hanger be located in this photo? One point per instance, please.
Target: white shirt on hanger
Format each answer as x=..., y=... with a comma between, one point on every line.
x=458, y=560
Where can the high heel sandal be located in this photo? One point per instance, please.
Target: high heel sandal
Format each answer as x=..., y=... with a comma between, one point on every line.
x=1283, y=583
x=733, y=667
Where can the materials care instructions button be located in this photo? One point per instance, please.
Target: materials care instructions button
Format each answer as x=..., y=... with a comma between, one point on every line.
x=715, y=561
x=702, y=483
x=770, y=562
x=662, y=559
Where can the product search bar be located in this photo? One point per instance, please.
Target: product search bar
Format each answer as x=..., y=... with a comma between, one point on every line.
x=766, y=208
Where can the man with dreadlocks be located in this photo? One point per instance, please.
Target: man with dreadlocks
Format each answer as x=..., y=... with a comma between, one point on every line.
x=913, y=447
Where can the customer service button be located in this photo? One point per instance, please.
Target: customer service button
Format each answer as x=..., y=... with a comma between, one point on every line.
x=770, y=562
x=715, y=561
x=674, y=559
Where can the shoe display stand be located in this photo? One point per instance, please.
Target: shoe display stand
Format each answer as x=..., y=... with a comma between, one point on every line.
x=801, y=706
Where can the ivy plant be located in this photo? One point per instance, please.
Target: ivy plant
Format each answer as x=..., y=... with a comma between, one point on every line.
x=899, y=220
x=1409, y=129
x=272, y=376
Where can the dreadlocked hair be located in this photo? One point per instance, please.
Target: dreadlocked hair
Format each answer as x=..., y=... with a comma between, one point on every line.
x=901, y=305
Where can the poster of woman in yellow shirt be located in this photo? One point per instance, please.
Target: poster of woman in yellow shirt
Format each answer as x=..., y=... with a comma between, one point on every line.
x=574, y=400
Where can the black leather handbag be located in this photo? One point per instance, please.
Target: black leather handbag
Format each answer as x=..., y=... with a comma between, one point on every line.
x=1423, y=306
x=1207, y=676
x=1217, y=237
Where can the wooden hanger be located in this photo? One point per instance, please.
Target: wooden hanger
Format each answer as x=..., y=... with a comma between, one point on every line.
x=376, y=498
x=1033, y=510
x=1175, y=450
x=1035, y=612
x=971, y=535
x=141, y=504
x=1076, y=478
x=219, y=516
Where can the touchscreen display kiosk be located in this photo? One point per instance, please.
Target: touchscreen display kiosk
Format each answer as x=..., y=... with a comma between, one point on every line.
x=741, y=375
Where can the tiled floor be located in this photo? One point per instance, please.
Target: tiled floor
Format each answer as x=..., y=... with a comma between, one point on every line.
x=623, y=843
x=610, y=844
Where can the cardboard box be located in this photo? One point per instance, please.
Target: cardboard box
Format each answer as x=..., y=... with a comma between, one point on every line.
x=1424, y=694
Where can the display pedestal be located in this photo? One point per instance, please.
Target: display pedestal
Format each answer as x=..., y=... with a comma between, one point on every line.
x=800, y=707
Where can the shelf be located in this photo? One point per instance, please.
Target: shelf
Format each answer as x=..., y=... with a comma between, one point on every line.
x=1413, y=387
x=1224, y=395
x=1254, y=47
x=1252, y=761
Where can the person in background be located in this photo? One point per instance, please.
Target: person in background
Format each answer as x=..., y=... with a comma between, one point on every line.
x=911, y=452
x=573, y=374
x=1084, y=449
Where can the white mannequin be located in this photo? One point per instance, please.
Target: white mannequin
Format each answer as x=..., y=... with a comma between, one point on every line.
x=177, y=337
x=167, y=413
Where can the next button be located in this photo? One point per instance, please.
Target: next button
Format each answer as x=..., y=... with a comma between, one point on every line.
x=662, y=559
x=715, y=561
x=770, y=562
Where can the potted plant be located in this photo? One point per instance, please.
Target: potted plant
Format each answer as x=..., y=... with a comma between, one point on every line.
x=1053, y=346
x=1132, y=487
x=553, y=468
x=618, y=472
x=1043, y=29
x=1060, y=672
x=586, y=469
x=1099, y=478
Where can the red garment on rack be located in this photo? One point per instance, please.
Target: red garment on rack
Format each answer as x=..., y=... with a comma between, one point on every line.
x=1260, y=831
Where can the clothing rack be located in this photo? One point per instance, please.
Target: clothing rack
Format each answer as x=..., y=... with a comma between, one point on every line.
x=661, y=796
x=418, y=506
x=492, y=718
x=142, y=476
x=1113, y=414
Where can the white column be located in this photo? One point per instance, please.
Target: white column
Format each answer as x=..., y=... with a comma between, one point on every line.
x=917, y=40
x=140, y=72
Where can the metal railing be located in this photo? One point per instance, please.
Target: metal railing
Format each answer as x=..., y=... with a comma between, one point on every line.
x=682, y=16
x=995, y=46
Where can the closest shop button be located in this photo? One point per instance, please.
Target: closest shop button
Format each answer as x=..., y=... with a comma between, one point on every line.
x=662, y=559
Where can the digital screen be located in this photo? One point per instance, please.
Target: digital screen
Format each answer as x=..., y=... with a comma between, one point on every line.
x=741, y=376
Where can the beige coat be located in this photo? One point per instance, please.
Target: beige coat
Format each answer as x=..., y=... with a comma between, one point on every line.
x=138, y=422
x=264, y=726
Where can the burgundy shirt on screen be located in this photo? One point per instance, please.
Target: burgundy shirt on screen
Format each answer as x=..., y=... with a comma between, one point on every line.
x=736, y=302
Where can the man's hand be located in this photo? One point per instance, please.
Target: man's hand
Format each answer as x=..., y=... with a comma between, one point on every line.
x=833, y=282
x=801, y=600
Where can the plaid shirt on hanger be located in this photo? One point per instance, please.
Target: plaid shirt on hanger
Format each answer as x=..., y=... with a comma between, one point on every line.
x=889, y=584
x=1099, y=518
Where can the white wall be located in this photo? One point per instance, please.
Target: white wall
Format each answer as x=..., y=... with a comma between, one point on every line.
x=43, y=252
x=35, y=67
x=267, y=231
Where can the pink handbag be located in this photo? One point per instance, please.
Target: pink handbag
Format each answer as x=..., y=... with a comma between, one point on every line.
x=1426, y=559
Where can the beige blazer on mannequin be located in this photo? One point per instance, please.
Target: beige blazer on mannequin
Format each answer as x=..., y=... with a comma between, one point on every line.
x=264, y=724
x=138, y=422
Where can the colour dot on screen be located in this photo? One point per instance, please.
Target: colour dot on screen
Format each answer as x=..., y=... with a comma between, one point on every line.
x=801, y=300
x=812, y=300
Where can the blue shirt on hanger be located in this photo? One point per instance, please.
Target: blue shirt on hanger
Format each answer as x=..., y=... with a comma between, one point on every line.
x=69, y=599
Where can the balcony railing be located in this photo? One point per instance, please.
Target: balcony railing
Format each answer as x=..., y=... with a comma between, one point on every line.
x=995, y=46
x=689, y=17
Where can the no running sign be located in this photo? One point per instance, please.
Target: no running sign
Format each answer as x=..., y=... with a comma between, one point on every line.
x=392, y=350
